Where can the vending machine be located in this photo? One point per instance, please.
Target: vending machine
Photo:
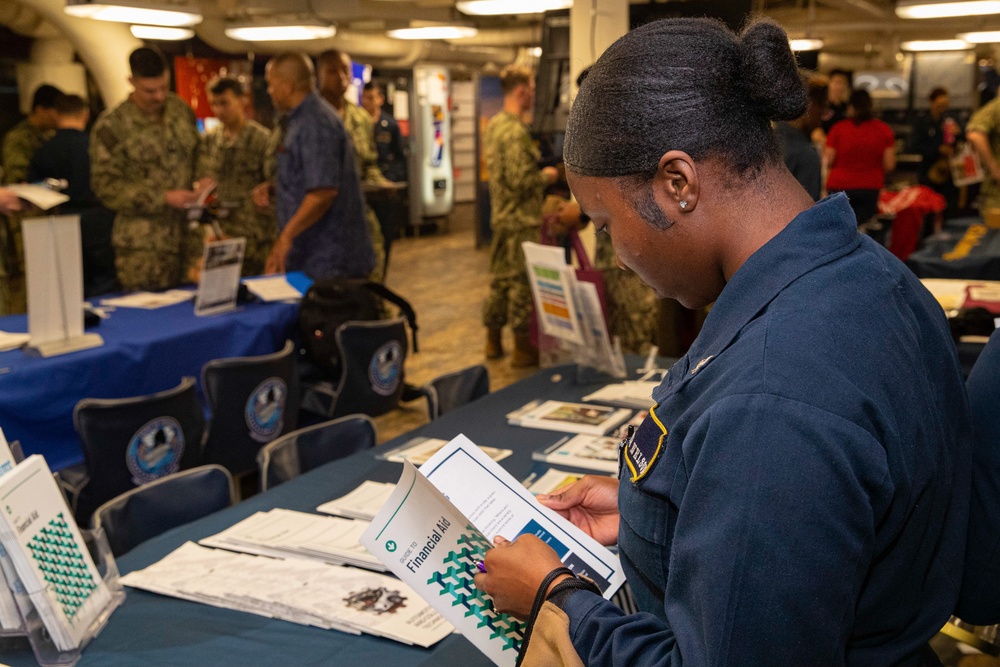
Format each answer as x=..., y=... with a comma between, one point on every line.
x=431, y=176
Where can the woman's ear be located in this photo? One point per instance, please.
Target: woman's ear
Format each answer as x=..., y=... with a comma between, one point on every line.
x=677, y=181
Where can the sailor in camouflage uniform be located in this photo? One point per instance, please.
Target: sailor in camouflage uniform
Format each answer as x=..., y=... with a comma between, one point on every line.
x=233, y=155
x=19, y=145
x=333, y=69
x=516, y=192
x=142, y=166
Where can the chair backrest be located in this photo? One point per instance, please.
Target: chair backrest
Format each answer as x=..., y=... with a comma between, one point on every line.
x=253, y=401
x=979, y=597
x=128, y=442
x=373, y=354
x=311, y=447
x=137, y=515
x=451, y=390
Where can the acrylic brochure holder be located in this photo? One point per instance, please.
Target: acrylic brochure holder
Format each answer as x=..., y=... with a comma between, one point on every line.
x=33, y=630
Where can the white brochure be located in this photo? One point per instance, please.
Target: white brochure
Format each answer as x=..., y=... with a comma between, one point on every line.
x=220, y=276
x=434, y=529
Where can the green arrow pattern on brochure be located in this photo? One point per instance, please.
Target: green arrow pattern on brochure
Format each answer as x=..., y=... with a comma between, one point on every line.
x=61, y=561
x=457, y=581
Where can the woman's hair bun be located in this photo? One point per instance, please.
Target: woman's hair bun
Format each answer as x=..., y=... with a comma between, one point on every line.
x=770, y=76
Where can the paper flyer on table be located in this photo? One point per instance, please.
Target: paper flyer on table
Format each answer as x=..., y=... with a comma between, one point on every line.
x=432, y=542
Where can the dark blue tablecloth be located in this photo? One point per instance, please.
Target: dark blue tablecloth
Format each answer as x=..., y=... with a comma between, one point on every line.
x=144, y=351
x=964, y=250
x=155, y=630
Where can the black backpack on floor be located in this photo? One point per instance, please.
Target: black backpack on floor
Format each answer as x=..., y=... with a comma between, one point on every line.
x=332, y=302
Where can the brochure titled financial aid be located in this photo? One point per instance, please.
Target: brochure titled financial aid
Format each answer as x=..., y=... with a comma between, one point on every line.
x=441, y=520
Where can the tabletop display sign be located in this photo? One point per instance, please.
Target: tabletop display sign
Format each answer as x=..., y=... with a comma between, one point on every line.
x=54, y=268
x=219, y=285
x=441, y=520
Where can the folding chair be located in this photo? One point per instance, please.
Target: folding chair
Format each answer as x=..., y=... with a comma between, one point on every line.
x=372, y=381
x=142, y=513
x=128, y=442
x=451, y=390
x=311, y=447
x=253, y=400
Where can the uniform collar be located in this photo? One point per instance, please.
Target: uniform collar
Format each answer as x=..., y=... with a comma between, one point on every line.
x=819, y=235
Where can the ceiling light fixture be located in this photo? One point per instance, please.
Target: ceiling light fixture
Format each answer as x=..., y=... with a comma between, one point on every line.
x=289, y=31
x=433, y=31
x=133, y=11
x=985, y=37
x=496, y=7
x=935, y=45
x=806, y=44
x=922, y=9
x=159, y=32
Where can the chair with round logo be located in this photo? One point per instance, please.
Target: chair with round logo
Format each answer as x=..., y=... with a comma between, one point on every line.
x=373, y=355
x=311, y=447
x=252, y=400
x=149, y=510
x=128, y=442
x=452, y=390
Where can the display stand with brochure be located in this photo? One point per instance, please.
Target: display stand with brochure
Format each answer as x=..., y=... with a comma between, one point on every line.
x=569, y=417
x=219, y=284
x=54, y=274
x=570, y=312
x=441, y=520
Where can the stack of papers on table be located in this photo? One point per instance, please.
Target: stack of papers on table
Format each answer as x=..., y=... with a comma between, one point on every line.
x=150, y=300
x=362, y=503
x=419, y=450
x=569, y=417
x=636, y=394
x=590, y=452
x=282, y=533
x=45, y=556
x=300, y=591
x=284, y=287
x=12, y=341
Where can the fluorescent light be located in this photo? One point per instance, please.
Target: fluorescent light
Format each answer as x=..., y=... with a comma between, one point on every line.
x=495, y=7
x=806, y=44
x=940, y=10
x=936, y=45
x=535, y=51
x=161, y=33
x=123, y=12
x=986, y=37
x=280, y=33
x=434, y=32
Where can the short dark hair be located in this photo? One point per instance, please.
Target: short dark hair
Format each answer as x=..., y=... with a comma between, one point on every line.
x=147, y=62
x=861, y=102
x=220, y=85
x=46, y=96
x=70, y=105
x=937, y=92
x=330, y=56
x=375, y=84
x=844, y=73
x=818, y=89
x=513, y=76
x=641, y=100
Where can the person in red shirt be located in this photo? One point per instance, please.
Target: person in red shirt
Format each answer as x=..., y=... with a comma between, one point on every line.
x=860, y=151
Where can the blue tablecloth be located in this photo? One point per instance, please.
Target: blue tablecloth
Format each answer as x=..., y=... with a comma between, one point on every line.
x=144, y=351
x=155, y=630
x=965, y=250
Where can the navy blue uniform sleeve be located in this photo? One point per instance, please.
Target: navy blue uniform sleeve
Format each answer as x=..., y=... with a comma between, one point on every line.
x=777, y=507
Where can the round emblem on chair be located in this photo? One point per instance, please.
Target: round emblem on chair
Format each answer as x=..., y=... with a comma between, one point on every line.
x=155, y=450
x=386, y=368
x=265, y=411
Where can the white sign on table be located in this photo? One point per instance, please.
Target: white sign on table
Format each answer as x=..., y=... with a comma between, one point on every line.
x=219, y=285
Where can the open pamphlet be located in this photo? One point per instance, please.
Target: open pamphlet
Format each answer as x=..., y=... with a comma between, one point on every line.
x=281, y=533
x=301, y=591
x=44, y=557
x=569, y=417
x=441, y=520
x=38, y=195
x=419, y=450
x=591, y=452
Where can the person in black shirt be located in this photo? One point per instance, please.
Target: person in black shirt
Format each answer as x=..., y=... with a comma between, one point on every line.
x=389, y=207
x=934, y=137
x=67, y=156
x=839, y=94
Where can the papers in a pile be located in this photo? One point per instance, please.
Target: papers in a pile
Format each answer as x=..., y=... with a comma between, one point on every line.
x=592, y=452
x=46, y=552
x=442, y=519
x=362, y=503
x=300, y=591
x=635, y=394
x=150, y=300
x=419, y=450
x=281, y=533
x=569, y=417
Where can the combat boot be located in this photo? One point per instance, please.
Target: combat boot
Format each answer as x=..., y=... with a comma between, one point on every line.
x=494, y=349
x=525, y=354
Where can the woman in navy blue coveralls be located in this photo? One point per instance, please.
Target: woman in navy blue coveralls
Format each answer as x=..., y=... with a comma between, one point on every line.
x=799, y=494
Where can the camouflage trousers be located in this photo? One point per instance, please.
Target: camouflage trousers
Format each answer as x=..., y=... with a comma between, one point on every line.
x=631, y=310
x=509, y=300
x=13, y=288
x=378, y=245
